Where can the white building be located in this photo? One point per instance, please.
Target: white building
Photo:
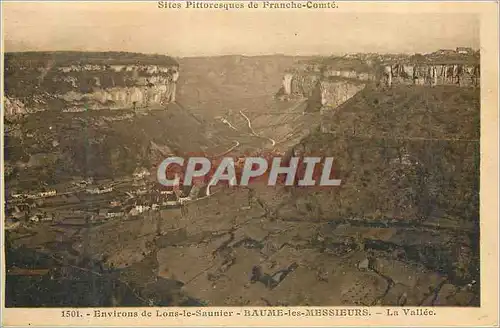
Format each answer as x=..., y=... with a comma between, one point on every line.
x=464, y=50
x=112, y=215
x=141, y=173
x=49, y=193
x=99, y=191
x=34, y=218
x=138, y=209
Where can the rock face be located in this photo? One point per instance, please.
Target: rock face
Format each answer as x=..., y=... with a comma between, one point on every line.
x=322, y=91
x=304, y=84
x=329, y=82
x=161, y=93
x=350, y=74
x=463, y=75
x=334, y=93
x=66, y=82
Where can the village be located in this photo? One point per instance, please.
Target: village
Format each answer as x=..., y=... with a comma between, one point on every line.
x=81, y=202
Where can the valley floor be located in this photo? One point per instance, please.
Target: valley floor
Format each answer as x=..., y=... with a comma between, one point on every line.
x=258, y=246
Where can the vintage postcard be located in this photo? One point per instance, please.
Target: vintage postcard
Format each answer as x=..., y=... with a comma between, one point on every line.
x=249, y=163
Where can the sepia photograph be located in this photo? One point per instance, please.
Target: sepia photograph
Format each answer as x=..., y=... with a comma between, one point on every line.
x=233, y=158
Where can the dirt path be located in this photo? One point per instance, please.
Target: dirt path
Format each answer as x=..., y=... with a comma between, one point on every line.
x=273, y=142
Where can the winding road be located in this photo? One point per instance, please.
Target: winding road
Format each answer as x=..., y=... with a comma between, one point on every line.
x=238, y=143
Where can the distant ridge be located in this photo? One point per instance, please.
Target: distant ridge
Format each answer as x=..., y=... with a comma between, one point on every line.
x=64, y=58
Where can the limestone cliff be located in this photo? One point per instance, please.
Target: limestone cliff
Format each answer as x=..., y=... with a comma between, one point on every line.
x=462, y=75
x=299, y=84
x=331, y=93
x=324, y=86
x=328, y=82
x=72, y=82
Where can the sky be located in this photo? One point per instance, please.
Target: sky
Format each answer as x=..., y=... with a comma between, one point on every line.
x=143, y=27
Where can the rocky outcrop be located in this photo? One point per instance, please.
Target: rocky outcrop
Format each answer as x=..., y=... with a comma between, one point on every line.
x=326, y=85
x=350, y=74
x=139, y=96
x=327, y=89
x=330, y=94
x=463, y=75
x=329, y=82
x=298, y=84
x=100, y=81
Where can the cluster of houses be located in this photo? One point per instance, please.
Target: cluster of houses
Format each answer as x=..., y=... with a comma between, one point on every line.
x=25, y=212
x=139, y=202
x=83, y=183
x=74, y=109
x=458, y=50
x=25, y=208
x=41, y=194
x=141, y=173
x=99, y=190
x=41, y=217
x=397, y=57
